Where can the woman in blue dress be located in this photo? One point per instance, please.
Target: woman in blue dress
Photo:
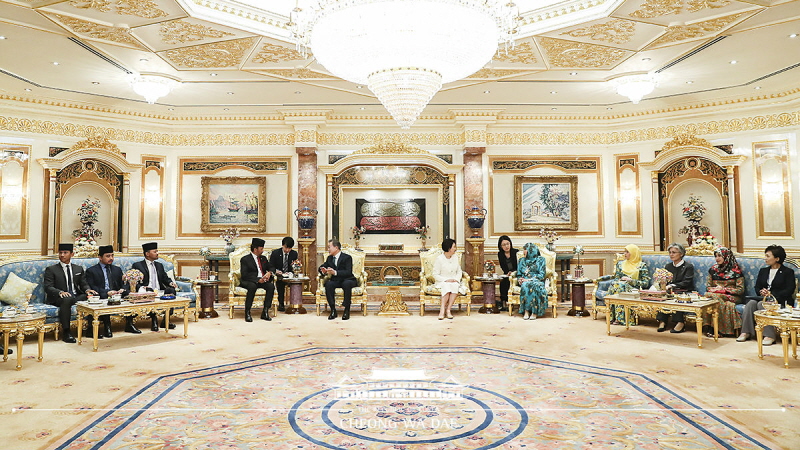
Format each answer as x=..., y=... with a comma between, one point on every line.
x=531, y=272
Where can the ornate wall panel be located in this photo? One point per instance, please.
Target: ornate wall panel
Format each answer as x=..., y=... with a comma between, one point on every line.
x=14, y=192
x=773, y=189
x=151, y=200
x=629, y=198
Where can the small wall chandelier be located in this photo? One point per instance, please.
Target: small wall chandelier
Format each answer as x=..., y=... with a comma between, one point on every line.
x=152, y=86
x=403, y=50
x=635, y=86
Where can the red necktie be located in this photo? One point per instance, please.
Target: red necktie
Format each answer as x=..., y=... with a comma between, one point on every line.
x=261, y=267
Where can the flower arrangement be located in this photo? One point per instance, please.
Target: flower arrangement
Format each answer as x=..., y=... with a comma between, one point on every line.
x=229, y=235
x=703, y=245
x=661, y=278
x=488, y=266
x=205, y=251
x=693, y=208
x=423, y=232
x=89, y=210
x=88, y=214
x=357, y=232
x=296, y=266
x=549, y=235
x=132, y=276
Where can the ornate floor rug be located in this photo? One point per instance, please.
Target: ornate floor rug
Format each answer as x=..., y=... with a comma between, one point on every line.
x=444, y=398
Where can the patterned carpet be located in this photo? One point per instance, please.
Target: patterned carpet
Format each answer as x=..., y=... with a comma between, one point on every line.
x=444, y=398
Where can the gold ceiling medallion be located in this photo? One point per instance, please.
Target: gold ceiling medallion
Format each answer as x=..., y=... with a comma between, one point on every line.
x=656, y=8
x=92, y=30
x=615, y=31
x=686, y=140
x=147, y=9
x=682, y=32
x=96, y=142
x=296, y=73
x=521, y=53
x=563, y=53
x=216, y=54
x=496, y=73
x=181, y=32
x=271, y=53
x=391, y=148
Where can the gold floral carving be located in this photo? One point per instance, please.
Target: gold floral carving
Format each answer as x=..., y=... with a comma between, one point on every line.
x=686, y=140
x=682, y=32
x=181, y=32
x=296, y=73
x=521, y=53
x=97, y=31
x=496, y=73
x=216, y=54
x=563, y=53
x=656, y=8
x=475, y=136
x=391, y=147
x=147, y=9
x=616, y=31
x=96, y=142
x=305, y=136
x=375, y=138
x=271, y=53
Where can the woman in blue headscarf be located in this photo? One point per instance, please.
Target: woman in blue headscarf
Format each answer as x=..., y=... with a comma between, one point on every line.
x=531, y=271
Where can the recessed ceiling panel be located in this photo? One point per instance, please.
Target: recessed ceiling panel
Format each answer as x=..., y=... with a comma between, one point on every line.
x=674, y=12
x=217, y=55
x=786, y=12
x=96, y=32
x=620, y=33
x=698, y=30
x=563, y=54
x=184, y=33
x=25, y=16
x=131, y=13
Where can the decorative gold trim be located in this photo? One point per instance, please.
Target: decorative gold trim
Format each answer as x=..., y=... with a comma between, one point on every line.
x=180, y=32
x=521, y=53
x=657, y=8
x=158, y=169
x=782, y=157
x=22, y=236
x=391, y=148
x=272, y=53
x=213, y=55
x=96, y=142
x=563, y=53
x=678, y=33
x=623, y=162
x=91, y=30
x=615, y=31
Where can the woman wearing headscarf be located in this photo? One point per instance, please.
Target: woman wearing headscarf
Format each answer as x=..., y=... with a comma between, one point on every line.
x=507, y=256
x=630, y=273
x=726, y=284
x=530, y=273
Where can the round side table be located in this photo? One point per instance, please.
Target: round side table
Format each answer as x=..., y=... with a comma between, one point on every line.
x=578, y=296
x=208, y=295
x=21, y=325
x=488, y=286
x=295, y=295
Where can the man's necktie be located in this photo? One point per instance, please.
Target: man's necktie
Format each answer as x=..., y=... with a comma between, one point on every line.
x=261, y=267
x=107, y=274
x=69, y=281
x=153, y=276
x=285, y=262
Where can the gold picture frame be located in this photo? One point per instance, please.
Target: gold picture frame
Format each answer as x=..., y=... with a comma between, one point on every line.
x=559, y=211
x=239, y=202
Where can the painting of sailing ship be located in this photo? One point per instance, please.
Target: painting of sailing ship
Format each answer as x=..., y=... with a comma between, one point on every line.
x=234, y=201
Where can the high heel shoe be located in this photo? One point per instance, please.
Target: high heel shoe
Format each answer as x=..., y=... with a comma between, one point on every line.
x=441, y=317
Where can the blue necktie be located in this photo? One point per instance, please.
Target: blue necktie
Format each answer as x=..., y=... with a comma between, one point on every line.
x=107, y=275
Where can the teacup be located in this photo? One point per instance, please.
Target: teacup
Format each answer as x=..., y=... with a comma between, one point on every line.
x=9, y=312
x=93, y=298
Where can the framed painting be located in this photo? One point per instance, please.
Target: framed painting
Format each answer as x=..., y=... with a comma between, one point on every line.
x=233, y=202
x=390, y=216
x=545, y=201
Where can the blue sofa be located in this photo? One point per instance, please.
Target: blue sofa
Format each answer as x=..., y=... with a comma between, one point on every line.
x=31, y=268
x=750, y=266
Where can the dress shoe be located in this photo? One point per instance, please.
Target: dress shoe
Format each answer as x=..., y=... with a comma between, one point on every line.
x=90, y=333
x=281, y=308
x=164, y=323
x=9, y=351
x=332, y=315
x=767, y=341
x=131, y=328
x=248, y=317
x=108, y=333
x=67, y=338
x=154, y=326
x=265, y=314
x=743, y=337
x=346, y=315
x=533, y=316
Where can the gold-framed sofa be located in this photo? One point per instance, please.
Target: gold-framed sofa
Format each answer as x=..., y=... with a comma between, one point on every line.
x=550, y=284
x=236, y=293
x=429, y=293
x=359, y=294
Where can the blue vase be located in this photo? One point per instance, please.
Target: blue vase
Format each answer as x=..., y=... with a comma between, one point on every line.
x=229, y=248
x=306, y=217
x=475, y=218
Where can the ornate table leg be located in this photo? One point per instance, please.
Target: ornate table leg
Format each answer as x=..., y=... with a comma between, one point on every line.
x=166, y=321
x=759, y=337
x=699, y=325
x=185, y=322
x=80, y=328
x=627, y=317
x=20, y=338
x=715, y=316
x=794, y=343
x=608, y=322
x=95, y=329
x=5, y=345
x=41, y=341
x=785, y=342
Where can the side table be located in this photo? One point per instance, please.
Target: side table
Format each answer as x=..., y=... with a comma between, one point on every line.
x=578, y=295
x=787, y=326
x=488, y=285
x=22, y=324
x=295, y=295
x=208, y=296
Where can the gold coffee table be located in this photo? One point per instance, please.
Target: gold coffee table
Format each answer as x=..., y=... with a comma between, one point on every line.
x=788, y=326
x=22, y=324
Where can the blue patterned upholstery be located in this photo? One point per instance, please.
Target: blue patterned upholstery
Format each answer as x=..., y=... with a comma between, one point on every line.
x=32, y=269
x=750, y=266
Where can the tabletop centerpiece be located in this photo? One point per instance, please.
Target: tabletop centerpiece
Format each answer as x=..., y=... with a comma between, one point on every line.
x=422, y=234
x=550, y=236
x=489, y=268
x=132, y=277
x=85, y=236
x=205, y=252
x=357, y=232
x=228, y=236
x=297, y=267
x=693, y=210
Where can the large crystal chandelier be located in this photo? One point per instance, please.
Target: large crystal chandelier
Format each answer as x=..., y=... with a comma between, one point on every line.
x=403, y=50
x=152, y=86
x=635, y=86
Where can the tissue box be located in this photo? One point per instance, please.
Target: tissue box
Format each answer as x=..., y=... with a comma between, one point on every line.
x=393, y=280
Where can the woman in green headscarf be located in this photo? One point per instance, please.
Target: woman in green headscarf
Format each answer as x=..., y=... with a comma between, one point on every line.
x=631, y=273
x=531, y=271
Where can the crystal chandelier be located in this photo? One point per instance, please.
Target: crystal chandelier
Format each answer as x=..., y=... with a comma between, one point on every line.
x=152, y=86
x=404, y=50
x=635, y=86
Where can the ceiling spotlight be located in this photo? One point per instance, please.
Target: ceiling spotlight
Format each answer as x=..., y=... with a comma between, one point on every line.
x=143, y=60
x=635, y=86
x=487, y=92
x=27, y=89
x=734, y=61
x=226, y=109
x=690, y=82
x=230, y=93
x=573, y=73
x=152, y=86
x=609, y=108
x=3, y=38
x=362, y=108
x=758, y=87
x=297, y=92
x=645, y=59
x=553, y=109
x=359, y=86
x=95, y=82
x=55, y=63
x=213, y=74
x=553, y=92
x=170, y=109
x=793, y=35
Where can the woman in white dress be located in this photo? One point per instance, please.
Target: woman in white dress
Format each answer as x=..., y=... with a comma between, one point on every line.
x=447, y=273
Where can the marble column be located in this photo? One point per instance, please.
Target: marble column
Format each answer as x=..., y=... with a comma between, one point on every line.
x=473, y=197
x=307, y=197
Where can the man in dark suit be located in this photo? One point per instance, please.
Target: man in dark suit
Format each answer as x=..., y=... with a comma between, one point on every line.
x=281, y=259
x=155, y=278
x=65, y=285
x=106, y=279
x=256, y=273
x=340, y=267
